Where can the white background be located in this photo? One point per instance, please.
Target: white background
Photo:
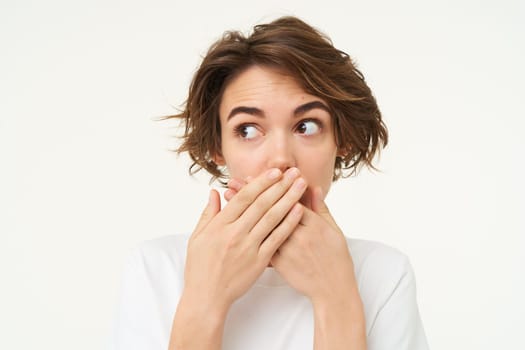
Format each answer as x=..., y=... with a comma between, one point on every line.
x=86, y=173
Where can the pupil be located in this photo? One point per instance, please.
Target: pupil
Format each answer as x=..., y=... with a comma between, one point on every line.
x=302, y=128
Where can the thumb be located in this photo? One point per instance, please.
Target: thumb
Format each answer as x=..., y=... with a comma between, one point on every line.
x=212, y=208
x=319, y=207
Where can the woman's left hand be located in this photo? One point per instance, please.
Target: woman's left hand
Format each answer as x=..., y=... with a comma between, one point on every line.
x=315, y=259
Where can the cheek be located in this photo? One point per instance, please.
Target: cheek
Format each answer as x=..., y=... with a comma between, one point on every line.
x=243, y=164
x=320, y=172
x=243, y=160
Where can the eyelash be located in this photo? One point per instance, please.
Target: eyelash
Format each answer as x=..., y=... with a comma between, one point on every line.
x=239, y=133
x=238, y=130
x=316, y=121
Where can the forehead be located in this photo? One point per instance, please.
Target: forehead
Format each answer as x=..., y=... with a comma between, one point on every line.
x=263, y=87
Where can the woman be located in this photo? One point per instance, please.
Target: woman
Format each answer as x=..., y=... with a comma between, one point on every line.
x=284, y=113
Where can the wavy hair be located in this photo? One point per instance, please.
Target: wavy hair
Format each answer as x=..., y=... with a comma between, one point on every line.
x=291, y=45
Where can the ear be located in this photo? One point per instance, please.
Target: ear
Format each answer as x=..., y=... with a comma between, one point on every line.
x=218, y=159
x=343, y=151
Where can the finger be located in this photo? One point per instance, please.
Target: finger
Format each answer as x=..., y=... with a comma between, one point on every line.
x=287, y=251
x=273, y=216
x=247, y=195
x=319, y=206
x=229, y=194
x=212, y=208
x=272, y=195
x=306, y=199
x=277, y=237
x=236, y=184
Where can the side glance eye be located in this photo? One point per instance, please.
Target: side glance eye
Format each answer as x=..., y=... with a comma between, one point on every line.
x=247, y=131
x=308, y=127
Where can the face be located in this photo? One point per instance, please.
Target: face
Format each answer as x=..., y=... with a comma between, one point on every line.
x=269, y=121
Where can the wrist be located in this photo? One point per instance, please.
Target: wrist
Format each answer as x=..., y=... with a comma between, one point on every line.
x=340, y=309
x=339, y=323
x=197, y=324
x=344, y=294
x=341, y=304
x=199, y=305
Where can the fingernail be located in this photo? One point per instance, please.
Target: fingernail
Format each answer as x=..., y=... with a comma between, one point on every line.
x=273, y=174
x=235, y=184
x=292, y=173
x=227, y=195
x=300, y=184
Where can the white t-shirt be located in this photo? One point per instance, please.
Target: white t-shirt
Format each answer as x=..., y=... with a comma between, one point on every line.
x=271, y=315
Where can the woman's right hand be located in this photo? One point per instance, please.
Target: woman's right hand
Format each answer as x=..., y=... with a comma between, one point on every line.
x=229, y=249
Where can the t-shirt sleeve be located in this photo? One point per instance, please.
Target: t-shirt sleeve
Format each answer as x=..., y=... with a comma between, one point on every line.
x=398, y=324
x=137, y=324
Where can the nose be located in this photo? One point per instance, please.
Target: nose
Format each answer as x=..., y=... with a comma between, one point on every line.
x=280, y=153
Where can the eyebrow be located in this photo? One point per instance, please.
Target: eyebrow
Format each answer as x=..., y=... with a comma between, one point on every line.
x=302, y=109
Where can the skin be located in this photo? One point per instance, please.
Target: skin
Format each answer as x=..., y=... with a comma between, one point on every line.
x=281, y=125
x=278, y=145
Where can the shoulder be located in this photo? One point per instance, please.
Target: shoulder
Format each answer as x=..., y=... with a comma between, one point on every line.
x=387, y=287
x=159, y=255
x=151, y=284
x=168, y=245
x=377, y=260
x=379, y=271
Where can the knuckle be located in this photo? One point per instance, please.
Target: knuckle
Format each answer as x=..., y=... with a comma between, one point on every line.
x=272, y=217
x=235, y=232
x=284, y=185
x=260, y=204
x=205, y=213
x=282, y=231
x=233, y=242
x=267, y=250
x=244, y=197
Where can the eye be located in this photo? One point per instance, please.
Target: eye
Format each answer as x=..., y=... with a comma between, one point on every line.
x=308, y=127
x=247, y=131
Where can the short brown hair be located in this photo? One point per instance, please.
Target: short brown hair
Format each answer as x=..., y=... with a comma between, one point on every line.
x=291, y=45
